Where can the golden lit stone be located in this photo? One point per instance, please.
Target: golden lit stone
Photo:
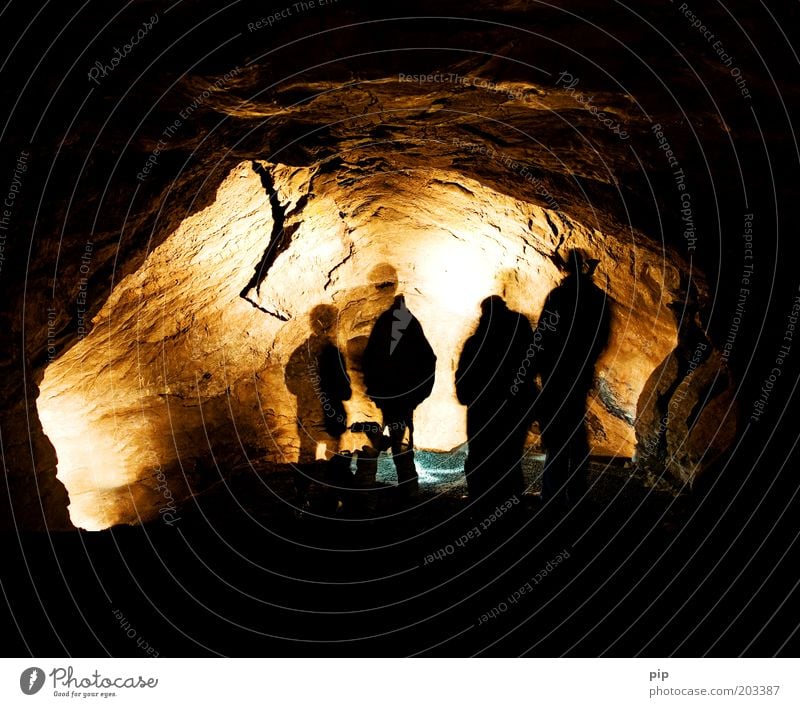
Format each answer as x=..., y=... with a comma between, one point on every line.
x=185, y=363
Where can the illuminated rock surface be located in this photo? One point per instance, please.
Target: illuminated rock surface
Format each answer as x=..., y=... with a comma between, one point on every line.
x=199, y=284
x=185, y=366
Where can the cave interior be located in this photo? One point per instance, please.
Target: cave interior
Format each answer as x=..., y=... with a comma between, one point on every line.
x=187, y=212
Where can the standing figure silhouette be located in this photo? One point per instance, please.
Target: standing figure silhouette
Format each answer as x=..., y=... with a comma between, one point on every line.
x=399, y=367
x=494, y=381
x=316, y=375
x=578, y=315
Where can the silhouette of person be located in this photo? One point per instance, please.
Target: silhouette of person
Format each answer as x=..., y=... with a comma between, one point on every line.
x=572, y=331
x=494, y=381
x=316, y=375
x=399, y=368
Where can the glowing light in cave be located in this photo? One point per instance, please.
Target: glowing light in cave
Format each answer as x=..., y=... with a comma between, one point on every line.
x=456, y=279
x=88, y=454
x=179, y=363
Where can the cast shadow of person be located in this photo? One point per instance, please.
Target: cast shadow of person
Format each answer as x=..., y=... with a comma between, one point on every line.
x=316, y=375
x=572, y=332
x=399, y=369
x=494, y=381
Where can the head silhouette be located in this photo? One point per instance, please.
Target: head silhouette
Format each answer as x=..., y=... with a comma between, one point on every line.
x=493, y=303
x=576, y=263
x=323, y=319
x=383, y=278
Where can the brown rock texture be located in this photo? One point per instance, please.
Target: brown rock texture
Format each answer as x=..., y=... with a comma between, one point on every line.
x=187, y=359
x=177, y=226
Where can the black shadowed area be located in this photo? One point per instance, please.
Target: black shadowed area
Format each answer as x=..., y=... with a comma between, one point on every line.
x=326, y=337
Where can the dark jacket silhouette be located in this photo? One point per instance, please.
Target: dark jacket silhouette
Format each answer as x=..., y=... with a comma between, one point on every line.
x=495, y=382
x=399, y=364
x=335, y=386
x=576, y=314
x=399, y=367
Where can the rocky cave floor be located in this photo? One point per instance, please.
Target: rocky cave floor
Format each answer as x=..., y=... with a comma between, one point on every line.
x=265, y=493
x=239, y=574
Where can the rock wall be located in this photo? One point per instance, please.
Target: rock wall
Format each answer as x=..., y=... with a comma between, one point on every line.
x=141, y=235
x=185, y=368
